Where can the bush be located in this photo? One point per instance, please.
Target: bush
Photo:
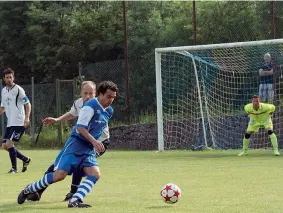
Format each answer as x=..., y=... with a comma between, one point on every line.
x=49, y=136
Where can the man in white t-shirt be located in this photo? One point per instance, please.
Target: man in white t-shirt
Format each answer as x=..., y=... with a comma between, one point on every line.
x=88, y=90
x=17, y=107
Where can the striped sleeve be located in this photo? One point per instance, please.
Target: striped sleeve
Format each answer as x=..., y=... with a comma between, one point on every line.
x=22, y=95
x=73, y=111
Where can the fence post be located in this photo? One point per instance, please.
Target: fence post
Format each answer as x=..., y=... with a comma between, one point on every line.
x=32, y=109
x=80, y=69
x=2, y=117
x=58, y=110
x=75, y=88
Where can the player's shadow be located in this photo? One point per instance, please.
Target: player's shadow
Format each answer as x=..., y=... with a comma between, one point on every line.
x=234, y=154
x=199, y=155
x=268, y=153
x=11, y=207
x=159, y=207
x=14, y=207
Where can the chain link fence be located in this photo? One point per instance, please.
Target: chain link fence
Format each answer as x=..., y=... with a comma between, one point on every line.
x=48, y=100
x=112, y=71
x=216, y=22
x=151, y=25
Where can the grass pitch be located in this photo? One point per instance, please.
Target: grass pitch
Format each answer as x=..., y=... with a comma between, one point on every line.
x=211, y=182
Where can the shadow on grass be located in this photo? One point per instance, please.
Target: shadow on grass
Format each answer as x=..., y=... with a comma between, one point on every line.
x=14, y=207
x=267, y=154
x=216, y=154
x=160, y=207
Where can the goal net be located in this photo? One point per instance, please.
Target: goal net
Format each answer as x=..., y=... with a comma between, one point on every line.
x=202, y=91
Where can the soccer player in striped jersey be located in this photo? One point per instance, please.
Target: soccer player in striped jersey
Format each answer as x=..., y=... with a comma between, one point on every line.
x=260, y=115
x=80, y=149
x=17, y=107
x=88, y=90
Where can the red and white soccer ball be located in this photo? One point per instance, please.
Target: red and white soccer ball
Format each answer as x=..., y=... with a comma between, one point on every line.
x=170, y=193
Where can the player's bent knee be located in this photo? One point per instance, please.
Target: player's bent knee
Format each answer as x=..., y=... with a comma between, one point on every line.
x=270, y=132
x=9, y=144
x=92, y=171
x=4, y=146
x=59, y=175
x=247, y=135
x=98, y=175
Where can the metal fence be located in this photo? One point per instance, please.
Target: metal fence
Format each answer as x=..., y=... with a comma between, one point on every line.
x=151, y=25
x=52, y=100
x=211, y=26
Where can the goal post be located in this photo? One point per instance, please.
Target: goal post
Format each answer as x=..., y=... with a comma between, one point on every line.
x=201, y=91
x=159, y=101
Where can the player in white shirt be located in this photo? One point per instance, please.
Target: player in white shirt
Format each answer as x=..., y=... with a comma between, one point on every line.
x=88, y=90
x=17, y=107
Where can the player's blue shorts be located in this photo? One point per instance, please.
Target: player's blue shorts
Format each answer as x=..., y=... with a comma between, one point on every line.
x=71, y=161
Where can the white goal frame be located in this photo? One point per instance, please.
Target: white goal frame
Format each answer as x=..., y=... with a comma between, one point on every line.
x=185, y=50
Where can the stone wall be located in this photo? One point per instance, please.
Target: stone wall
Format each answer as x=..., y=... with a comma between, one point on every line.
x=185, y=133
x=134, y=137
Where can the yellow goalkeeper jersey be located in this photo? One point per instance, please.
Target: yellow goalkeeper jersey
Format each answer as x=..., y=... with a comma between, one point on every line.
x=262, y=114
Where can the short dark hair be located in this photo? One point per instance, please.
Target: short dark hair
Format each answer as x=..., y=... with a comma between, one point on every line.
x=8, y=71
x=105, y=85
x=255, y=96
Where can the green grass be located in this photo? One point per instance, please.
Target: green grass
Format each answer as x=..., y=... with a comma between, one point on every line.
x=211, y=182
x=48, y=137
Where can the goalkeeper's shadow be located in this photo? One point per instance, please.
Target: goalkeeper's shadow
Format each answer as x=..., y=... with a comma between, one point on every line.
x=232, y=154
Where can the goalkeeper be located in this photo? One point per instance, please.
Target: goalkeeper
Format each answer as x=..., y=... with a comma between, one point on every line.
x=260, y=115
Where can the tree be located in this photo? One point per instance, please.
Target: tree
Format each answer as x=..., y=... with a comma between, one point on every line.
x=14, y=40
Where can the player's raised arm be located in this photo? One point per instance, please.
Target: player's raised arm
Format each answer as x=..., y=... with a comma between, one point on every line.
x=66, y=117
x=72, y=114
x=88, y=90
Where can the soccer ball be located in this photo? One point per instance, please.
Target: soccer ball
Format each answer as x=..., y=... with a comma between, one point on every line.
x=170, y=193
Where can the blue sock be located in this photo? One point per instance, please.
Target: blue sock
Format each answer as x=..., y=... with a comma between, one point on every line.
x=13, y=156
x=50, y=169
x=84, y=188
x=42, y=183
x=76, y=180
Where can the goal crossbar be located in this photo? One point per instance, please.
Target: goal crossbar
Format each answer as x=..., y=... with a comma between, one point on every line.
x=218, y=46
